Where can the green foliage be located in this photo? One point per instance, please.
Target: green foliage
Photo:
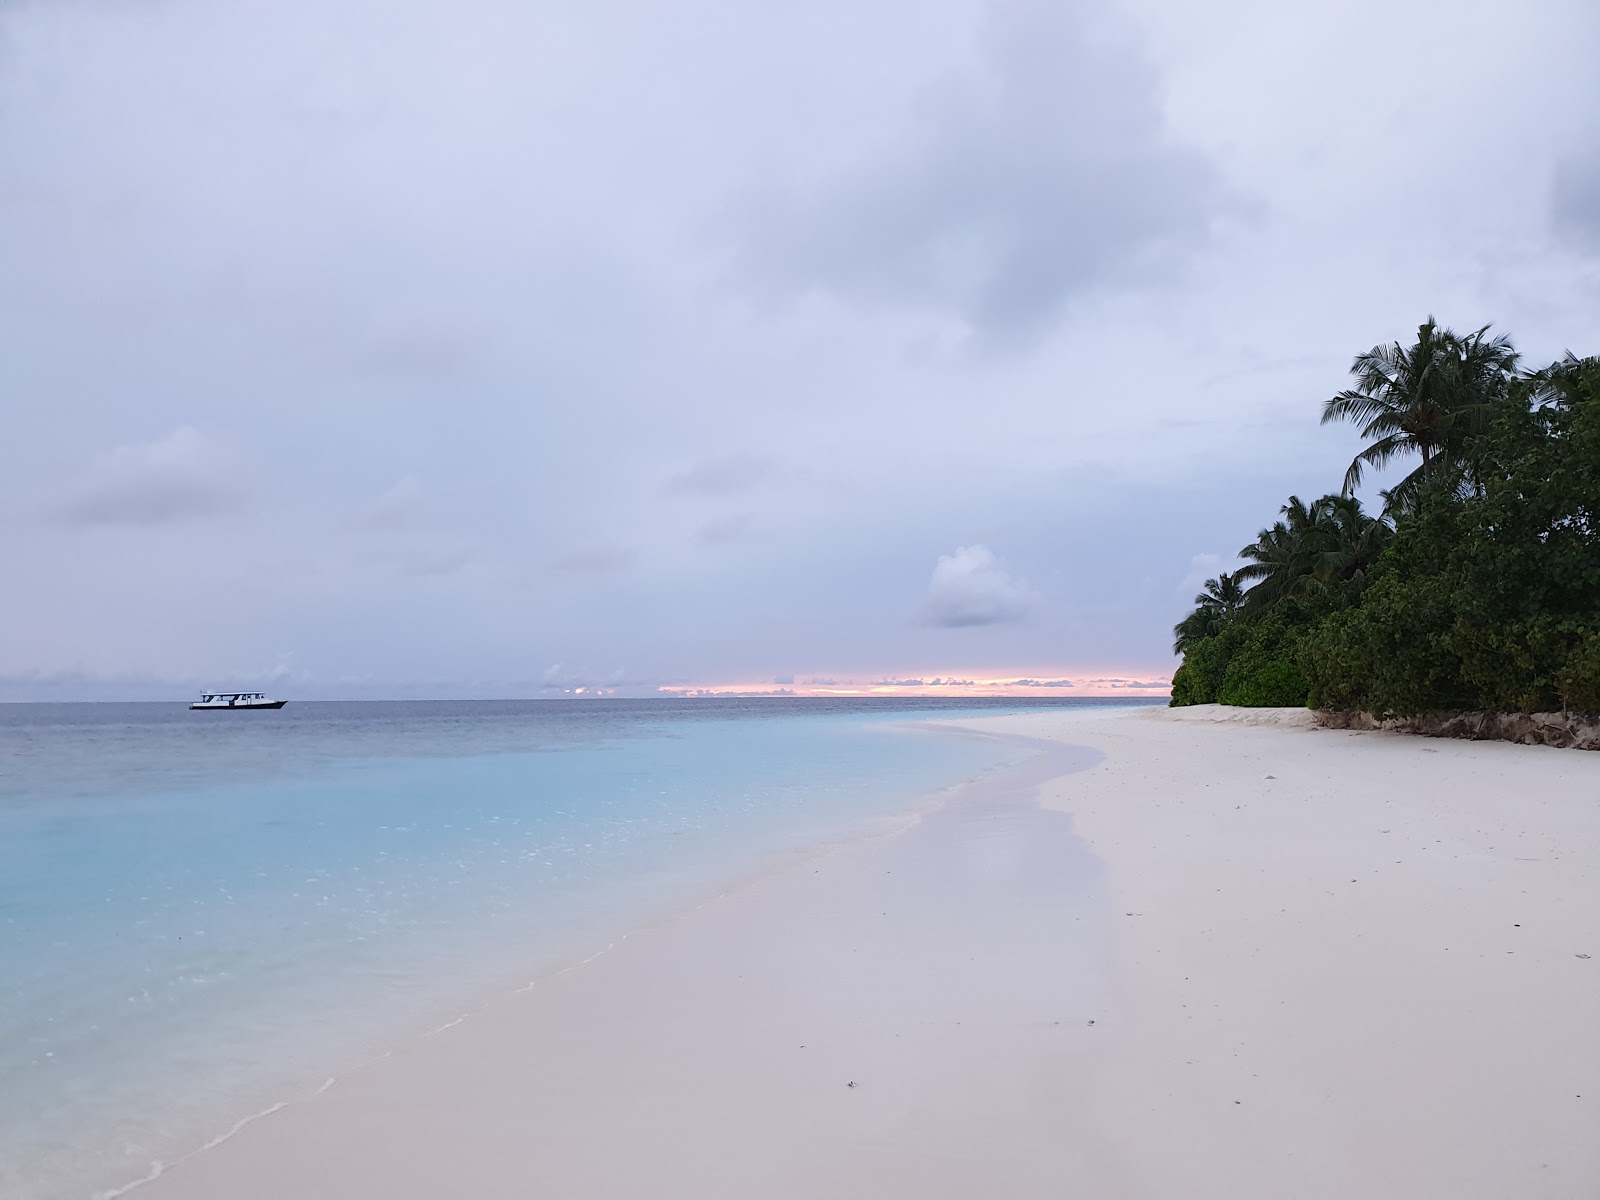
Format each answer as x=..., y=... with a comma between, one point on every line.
x=1214, y=608
x=1264, y=681
x=1205, y=665
x=1488, y=600
x=1579, y=678
x=1185, y=691
x=1484, y=594
x=1319, y=554
x=1428, y=399
x=1247, y=664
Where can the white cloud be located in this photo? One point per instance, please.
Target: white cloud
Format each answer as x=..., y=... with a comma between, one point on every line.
x=182, y=475
x=1201, y=568
x=970, y=587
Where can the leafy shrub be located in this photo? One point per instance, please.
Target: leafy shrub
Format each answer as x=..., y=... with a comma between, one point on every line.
x=1258, y=680
x=1199, y=679
x=1579, y=679
x=1485, y=597
x=1185, y=689
x=1264, y=672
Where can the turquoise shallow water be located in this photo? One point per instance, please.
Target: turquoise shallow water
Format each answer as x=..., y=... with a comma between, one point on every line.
x=201, y=911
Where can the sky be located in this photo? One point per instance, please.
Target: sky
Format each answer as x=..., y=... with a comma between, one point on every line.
x=505, y=348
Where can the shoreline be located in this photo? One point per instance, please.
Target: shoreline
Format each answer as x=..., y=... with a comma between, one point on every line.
x=1293, y=964
x=486, y=1025
x=595, y=936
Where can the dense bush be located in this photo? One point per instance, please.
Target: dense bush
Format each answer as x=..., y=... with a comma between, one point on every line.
x=1488, y=600
x=1485, y=594
x=1260, y=678
x=1252, y=664
x=1205, y=667
x=1579, y=679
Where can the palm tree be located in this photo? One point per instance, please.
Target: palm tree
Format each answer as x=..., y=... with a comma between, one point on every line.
x=1352, y=540
x=1283, y=556
x=1426, y=399
x=1561, y=384
x=1315, y=546
x=1214, y=607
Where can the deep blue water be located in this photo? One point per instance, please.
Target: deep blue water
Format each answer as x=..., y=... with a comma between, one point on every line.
x=200, y=910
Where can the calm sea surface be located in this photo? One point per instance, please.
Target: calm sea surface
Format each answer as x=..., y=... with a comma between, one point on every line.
x=200, y=912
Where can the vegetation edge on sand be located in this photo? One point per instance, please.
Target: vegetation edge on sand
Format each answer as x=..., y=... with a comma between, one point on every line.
x=1563, y=730
x=1471, y=603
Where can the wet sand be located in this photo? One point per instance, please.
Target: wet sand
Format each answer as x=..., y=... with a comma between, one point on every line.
x=1166, y=958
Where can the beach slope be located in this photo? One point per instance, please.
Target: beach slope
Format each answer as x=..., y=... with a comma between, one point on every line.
x=1173, y=956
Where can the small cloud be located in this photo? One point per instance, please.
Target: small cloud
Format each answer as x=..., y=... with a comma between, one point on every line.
x=1042, y=683
x=716, y=693
x=400, y=507
x=422, y=353
x=443, y=561
x=183, y=475
x=597, y=560
x=719, y=477
x=1201, y=568
x=1136, y=684
x=720, y=533
x=580, y=681
x=969, y=587
x=1575, y=199
x=783, y=680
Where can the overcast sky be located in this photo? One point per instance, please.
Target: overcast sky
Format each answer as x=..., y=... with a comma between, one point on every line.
x=495, y=347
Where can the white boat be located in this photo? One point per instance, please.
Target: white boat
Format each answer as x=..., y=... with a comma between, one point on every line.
x=210, y=701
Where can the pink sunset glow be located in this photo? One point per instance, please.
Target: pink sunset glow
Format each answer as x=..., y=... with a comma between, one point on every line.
x=1037, y=682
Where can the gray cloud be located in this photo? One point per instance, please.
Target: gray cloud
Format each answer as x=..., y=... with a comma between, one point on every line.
x=601, y=280
x=1041, y=683
x=720, y=477
x=715, y=693
x=396, y=508
x=598, y=559
x=180, y=476
x=1201, y=568
x=444, y=560
x=1575, y=198
x=723, y=531
x=1048, y=172
x=560, y=678
x=970, y=587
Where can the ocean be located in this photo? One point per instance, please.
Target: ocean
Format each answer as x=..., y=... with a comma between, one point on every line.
x=205, y=914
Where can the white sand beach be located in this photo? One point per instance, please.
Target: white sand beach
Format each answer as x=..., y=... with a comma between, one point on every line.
x=1196, y=958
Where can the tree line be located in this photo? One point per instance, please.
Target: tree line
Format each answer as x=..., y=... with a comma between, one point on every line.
x=1477, y=585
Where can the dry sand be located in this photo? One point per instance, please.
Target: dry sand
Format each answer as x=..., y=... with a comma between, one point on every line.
x=1254, y=961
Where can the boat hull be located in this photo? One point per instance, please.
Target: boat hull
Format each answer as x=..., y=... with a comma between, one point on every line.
x=235, y=707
